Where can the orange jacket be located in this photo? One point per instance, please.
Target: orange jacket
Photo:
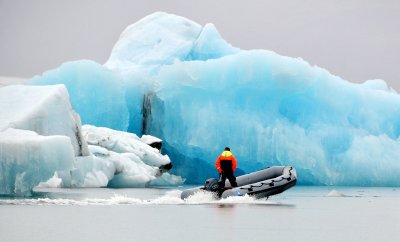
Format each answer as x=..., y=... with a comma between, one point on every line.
x=226, y=155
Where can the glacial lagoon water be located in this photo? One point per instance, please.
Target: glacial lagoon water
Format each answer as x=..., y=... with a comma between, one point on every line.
x=158, y=214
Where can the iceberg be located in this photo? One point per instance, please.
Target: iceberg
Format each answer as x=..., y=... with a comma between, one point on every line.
x=28, y=159
x=174, y=79
x=161, y=39
x=123, y=142
x=274, y=110
x=122, y=159
x=40, y=134
x=45, y=110
x=42, y=142
x=96, y=93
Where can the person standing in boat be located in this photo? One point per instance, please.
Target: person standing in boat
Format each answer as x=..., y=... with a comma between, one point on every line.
x=226, y=166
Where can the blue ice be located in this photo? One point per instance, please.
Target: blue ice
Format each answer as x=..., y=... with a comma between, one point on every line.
x=172, y=78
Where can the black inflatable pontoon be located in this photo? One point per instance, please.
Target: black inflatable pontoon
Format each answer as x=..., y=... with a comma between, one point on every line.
x=259, y=184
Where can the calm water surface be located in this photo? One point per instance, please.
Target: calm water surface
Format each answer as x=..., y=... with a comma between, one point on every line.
x=299, y=214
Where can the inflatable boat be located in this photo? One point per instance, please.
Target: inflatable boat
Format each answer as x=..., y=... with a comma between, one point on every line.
x=259, y=184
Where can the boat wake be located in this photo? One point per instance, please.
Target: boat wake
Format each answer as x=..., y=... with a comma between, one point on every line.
x=170, y=198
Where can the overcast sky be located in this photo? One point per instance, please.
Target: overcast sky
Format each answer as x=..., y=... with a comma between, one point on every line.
x=357, y=40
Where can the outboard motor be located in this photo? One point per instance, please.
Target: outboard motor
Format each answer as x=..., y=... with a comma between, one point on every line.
x=211, y=185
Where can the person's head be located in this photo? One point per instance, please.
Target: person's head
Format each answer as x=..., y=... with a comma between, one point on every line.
x=227, y=149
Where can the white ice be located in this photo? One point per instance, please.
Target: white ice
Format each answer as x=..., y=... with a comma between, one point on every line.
x=125, y=160
x=42, y=143
x=44, y=109
x=28, y=158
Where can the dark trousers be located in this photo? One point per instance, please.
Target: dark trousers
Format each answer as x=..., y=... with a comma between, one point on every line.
x=227, y=174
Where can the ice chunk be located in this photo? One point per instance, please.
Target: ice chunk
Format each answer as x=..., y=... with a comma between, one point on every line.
x=53, y=182
x=117, y=159
x=156, y=40
x=43, y=109
x=335, y=193
x=97, y=93
x=40, y=134
x=123, y=142
x=28, y=158
x=160, y=39
x=378, y=84
x=92, y=171
x=152, y=141
x=127, y=160
x=107, y=168
x=148, y=139
x=210, y=45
